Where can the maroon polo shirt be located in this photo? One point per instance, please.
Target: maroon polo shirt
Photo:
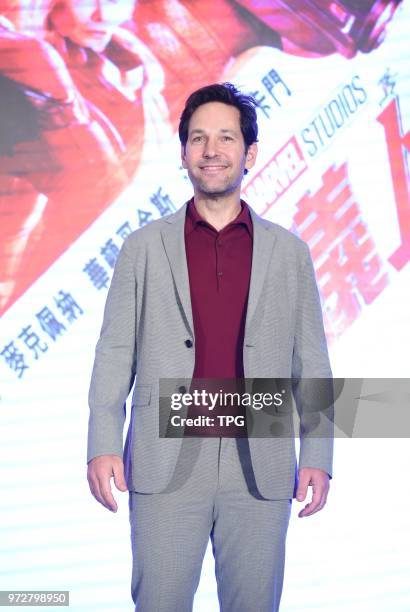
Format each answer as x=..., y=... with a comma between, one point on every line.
x=219, y=268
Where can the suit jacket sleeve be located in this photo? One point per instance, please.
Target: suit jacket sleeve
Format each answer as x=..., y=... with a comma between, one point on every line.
x=312, y=375
x=115, y=358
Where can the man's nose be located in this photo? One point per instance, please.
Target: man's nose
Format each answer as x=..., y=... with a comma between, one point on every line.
x=210, y=148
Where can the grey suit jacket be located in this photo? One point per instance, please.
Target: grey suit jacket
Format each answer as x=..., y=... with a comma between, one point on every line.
x=148, y=318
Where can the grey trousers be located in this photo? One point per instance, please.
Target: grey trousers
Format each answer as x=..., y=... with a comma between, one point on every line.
x=212, y=494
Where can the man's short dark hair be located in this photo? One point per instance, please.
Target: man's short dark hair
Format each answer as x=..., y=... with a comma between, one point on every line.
x=227, y=94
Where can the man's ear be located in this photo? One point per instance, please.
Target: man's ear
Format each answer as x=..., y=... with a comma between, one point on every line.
x=251, y=155
x=183, y=156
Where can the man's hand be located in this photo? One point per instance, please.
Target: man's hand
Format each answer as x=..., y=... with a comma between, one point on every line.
x=100, y=470
x=319, y=481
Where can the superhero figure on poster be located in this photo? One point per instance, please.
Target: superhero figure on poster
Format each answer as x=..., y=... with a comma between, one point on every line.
x=73, y=129
x=99, y=78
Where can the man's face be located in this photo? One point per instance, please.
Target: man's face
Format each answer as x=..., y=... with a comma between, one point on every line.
x=91, y=23
x=215, y=151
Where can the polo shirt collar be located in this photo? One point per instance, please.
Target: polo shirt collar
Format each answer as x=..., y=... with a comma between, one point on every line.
x=193, y=218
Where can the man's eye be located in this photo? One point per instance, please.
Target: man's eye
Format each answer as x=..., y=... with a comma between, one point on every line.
x=225, y=138
x=196, y=138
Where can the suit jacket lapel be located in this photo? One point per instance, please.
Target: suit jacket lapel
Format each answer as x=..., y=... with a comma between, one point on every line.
x=173, y=237
x=263, y=243
x=174, y=243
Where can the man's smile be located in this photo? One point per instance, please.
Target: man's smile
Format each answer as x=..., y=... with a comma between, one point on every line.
x=210, y=169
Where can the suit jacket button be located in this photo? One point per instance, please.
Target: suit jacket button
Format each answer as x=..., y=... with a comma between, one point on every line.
x=182, y=389
x=188, y=343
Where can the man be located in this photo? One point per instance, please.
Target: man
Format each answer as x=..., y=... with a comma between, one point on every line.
x=210, y=291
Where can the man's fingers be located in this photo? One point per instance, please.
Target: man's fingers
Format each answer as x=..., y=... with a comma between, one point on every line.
x=305, y=479
x=100, y=471
x=312, y=507
x=317, y=503
x=302, y=487
x=301, y=494
x=119, y=478
x=95, y=489
x=106, y=494
x=320, y=488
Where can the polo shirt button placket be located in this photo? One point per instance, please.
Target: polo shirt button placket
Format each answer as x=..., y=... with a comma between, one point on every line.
x=218, y=259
